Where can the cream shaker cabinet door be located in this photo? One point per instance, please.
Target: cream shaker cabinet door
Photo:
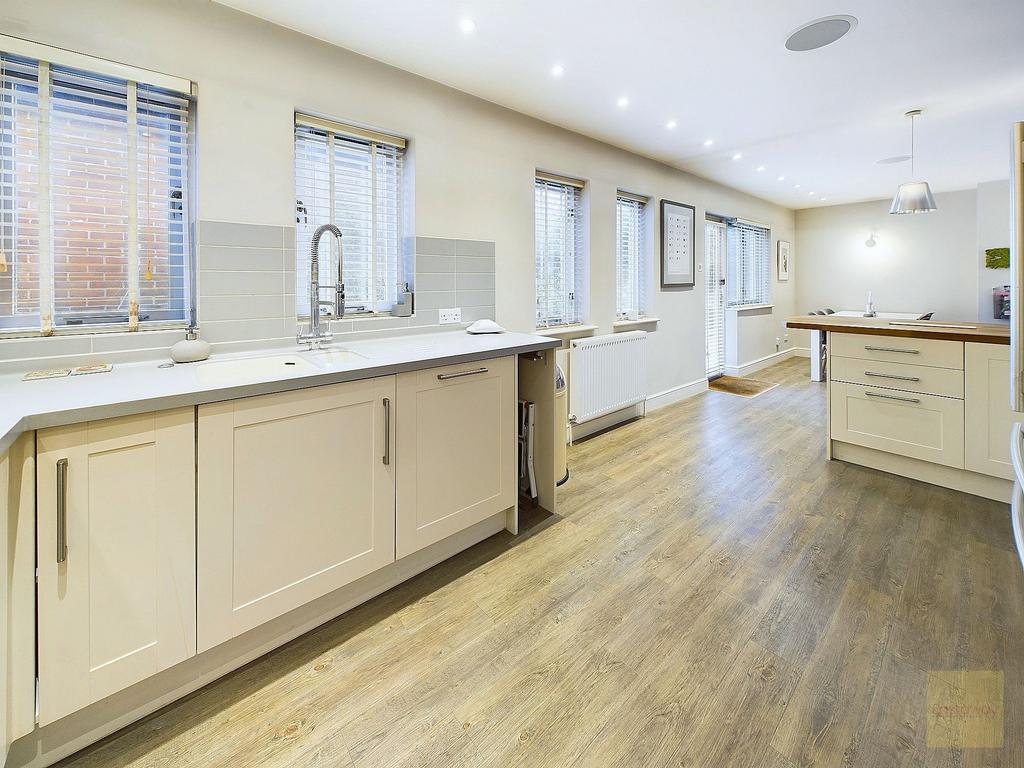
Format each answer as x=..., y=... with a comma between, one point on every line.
x=116, y=555
x=456, y=449
x=989, y=418
x=920, y=426
x=296, y=499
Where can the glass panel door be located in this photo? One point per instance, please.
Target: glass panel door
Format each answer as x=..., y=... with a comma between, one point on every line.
x=714, y=300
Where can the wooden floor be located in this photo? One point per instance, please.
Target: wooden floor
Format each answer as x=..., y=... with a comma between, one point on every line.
x=714, y=593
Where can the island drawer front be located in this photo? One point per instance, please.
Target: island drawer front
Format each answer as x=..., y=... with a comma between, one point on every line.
x=916, y=425
x=896, y=349
x=945, y=382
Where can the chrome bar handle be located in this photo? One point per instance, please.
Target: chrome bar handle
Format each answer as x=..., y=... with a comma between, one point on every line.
x=62, y=510
x=387, y=432
x=894, y=349
x=891, y=376
x=460, y=374
x=894, y=397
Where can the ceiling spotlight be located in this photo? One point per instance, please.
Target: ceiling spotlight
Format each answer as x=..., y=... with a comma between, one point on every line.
x=557, y=71
x=708, y=142
x=796, y=186
x=781, y=178
x=810, y=194
x=468, y=26
x=760, y=168
x=823, y=198
x=623, y=102
x=737, y=156
x=671, y=124
x=820, y=32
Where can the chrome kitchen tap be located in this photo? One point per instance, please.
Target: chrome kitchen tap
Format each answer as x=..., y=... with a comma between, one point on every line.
x=316, y=336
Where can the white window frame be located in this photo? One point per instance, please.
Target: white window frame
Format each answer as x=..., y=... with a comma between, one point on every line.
x=632, y=257
x=134, y=79
x=559, y=251
x=385, y=250
x=748, y=263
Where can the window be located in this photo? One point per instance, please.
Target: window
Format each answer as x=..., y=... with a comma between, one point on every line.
x=630, y=257
x=558, y=251
x=351, y=178
x=95, y=225
x=748, y=267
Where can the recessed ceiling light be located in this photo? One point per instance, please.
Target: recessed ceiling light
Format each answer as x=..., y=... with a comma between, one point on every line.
x=671, y=124
x=557, y=71
x=708, y=142
x=892, y=160
x=796, y=186
x=820, y=32
x=823, y=199
x=781, y=178
x=760, y=168
x=737, y=156
x=810, y=194
x=468, y=26
x=623, y=102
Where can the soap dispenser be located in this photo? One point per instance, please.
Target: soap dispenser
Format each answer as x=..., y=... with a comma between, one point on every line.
x=192, y=349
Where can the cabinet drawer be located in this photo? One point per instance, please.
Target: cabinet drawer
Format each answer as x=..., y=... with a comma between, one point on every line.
x=946, y=382
x=916, y=425
x=896, y=349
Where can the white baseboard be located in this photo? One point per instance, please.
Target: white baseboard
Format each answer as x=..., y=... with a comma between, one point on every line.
x=801, y=352
x=653, y=403
x=756, y=365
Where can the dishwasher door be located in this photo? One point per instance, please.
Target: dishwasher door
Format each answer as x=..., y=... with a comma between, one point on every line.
x=1017, y=502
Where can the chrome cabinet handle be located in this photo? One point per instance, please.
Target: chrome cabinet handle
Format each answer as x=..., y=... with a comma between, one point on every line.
x=894, y=397
x=62, y=510
x=891, y=376
x=387, y=432
x=460, y=374
x=894, y=349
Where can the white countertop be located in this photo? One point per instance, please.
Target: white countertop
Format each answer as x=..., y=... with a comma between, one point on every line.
x=143, y=387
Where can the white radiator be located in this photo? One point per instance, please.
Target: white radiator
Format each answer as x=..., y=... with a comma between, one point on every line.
x=606, y=374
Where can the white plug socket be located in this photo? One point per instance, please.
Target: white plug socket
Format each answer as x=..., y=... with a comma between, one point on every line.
x=449, y=316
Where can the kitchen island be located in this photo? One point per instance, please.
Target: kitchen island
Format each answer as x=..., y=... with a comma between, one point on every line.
x=923, y=399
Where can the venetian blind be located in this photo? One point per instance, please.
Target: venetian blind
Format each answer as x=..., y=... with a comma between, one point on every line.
x=94, y=208
x=714, y=291
x=748, y=268
x=630, y=258
x=558, y=252
x=354, y=182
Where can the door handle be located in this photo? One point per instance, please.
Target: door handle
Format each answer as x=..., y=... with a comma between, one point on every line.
x=894, y=397
x=460, y=374
x=62, y=510
x=894, y=349
x=891, y=376
x=387, y=432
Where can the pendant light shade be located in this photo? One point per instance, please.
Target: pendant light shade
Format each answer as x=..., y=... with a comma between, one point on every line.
x=913, y=196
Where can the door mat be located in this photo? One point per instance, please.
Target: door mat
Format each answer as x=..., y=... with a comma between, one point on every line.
x=736, y=385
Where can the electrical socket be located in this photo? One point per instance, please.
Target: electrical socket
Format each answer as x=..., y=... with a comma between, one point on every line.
x=449, y=316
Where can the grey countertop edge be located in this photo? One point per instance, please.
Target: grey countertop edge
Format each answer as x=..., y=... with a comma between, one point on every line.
x=27, y=422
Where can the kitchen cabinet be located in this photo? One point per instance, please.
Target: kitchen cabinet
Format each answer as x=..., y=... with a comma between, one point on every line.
x=456, y=446
x=919, y=426
x=116, y=555
x=987, y=378
x=296, y=499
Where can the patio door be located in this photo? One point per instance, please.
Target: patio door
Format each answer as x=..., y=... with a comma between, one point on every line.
x=714, y=297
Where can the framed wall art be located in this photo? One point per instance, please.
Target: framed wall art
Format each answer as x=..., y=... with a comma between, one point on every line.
x=677, y=233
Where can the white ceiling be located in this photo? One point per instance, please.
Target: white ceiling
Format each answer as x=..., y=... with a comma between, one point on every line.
x=720, y=70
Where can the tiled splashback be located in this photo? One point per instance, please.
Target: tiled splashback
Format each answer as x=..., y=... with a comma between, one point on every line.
x=247, y=298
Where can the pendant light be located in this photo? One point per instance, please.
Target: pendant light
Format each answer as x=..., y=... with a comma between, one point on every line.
x=913, y=196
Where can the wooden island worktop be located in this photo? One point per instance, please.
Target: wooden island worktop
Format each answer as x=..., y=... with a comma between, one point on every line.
x=949, y=330
x=927, y=399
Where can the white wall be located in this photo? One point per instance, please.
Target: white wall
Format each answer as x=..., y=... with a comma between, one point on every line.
x=473, y=161
x=922, y=263
x=994, y=223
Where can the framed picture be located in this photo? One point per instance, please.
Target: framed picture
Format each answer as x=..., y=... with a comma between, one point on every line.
x=784, y=257
x=677, y=232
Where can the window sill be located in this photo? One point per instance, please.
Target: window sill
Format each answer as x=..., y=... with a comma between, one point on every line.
x=638, y=324
x=567, y=332
x=99, y=329
x=749, y=307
